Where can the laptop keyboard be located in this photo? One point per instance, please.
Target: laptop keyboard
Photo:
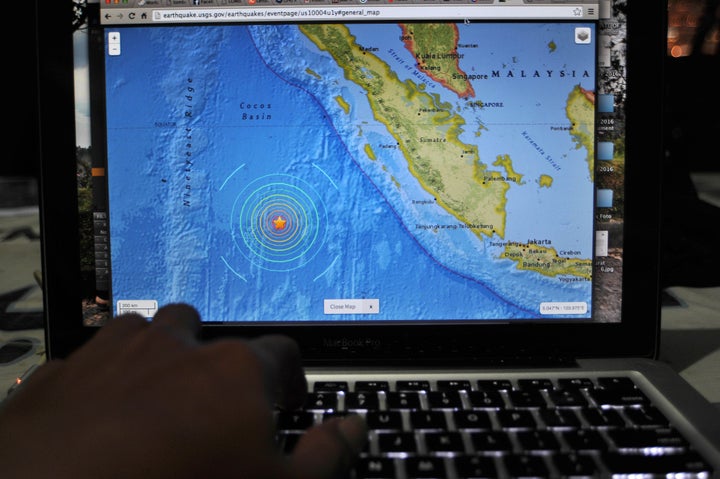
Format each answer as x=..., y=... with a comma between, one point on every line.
x=482, y=428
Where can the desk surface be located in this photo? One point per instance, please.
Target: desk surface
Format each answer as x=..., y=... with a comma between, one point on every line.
x=690, y=338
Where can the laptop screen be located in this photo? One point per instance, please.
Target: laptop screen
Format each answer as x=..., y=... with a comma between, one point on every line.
x=352, y=162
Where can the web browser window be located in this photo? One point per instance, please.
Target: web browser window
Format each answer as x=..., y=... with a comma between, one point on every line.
x=355, y=161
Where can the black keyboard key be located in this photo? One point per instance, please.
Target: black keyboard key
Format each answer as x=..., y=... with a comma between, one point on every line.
x=362, y=400
x=618, y=397
x=646, y=416
x=294, y=420
x=567, y=397
x=472, y=420
x=383, y=420
x=559, y=418
x=330, y=386
x=527, y=398
x=475, y=467
x=602, y=417
x=412, y=385
x=367, y=386
x=575, y=465
x=389, y=442
x=323, y=401
x=486, y=399
x=526, y=466
x=616, y=383
x=375, y=468
x=655, y=439
x=425, y=467
x=542, y=440
x=454, y=385
x=494, y=385
x=669, y=464
x=427, y=420
x=444, y=400
x=516, y=419
x=403, y=400
x=535, y=384
x=444, y=442
x=487, y=441
x=585, y=440
x=575, y=383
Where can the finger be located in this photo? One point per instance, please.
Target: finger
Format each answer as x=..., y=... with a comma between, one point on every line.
x=330, y=449
x=125, y=335
x=181, y=318
x=113, y=335
x=282, y=369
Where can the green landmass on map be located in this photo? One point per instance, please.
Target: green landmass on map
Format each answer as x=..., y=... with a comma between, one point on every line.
x=546, y=260
x=343, y=104
x=427, y=132
x=580, y=110
x=447, y=168
x=545, y=181
x=434, y=46
x=313, y=73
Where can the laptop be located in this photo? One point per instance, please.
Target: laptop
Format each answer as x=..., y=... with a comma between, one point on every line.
x=452, y=206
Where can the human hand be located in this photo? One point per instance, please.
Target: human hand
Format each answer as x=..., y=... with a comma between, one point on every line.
x=148, y=400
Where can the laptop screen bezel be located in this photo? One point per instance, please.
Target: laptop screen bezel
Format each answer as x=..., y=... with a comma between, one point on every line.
x=635, y=335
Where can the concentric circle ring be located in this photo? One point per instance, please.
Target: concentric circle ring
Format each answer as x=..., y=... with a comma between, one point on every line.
x=279, y=222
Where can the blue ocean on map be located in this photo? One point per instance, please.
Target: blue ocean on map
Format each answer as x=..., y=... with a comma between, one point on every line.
x=240, y=178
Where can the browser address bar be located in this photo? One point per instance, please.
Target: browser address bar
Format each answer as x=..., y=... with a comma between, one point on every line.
x=410, y=12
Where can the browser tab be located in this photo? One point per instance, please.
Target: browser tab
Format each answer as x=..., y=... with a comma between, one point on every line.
x=118, y=3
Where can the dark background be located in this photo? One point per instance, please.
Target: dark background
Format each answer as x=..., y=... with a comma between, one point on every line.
x=691, y=227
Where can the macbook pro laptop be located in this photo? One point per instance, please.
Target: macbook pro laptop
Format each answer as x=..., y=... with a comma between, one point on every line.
x=452, y=206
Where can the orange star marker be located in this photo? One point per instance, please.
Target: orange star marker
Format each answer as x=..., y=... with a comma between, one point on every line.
x=279, y=223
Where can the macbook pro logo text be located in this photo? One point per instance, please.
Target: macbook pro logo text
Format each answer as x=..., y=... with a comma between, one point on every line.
x=352, y=343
